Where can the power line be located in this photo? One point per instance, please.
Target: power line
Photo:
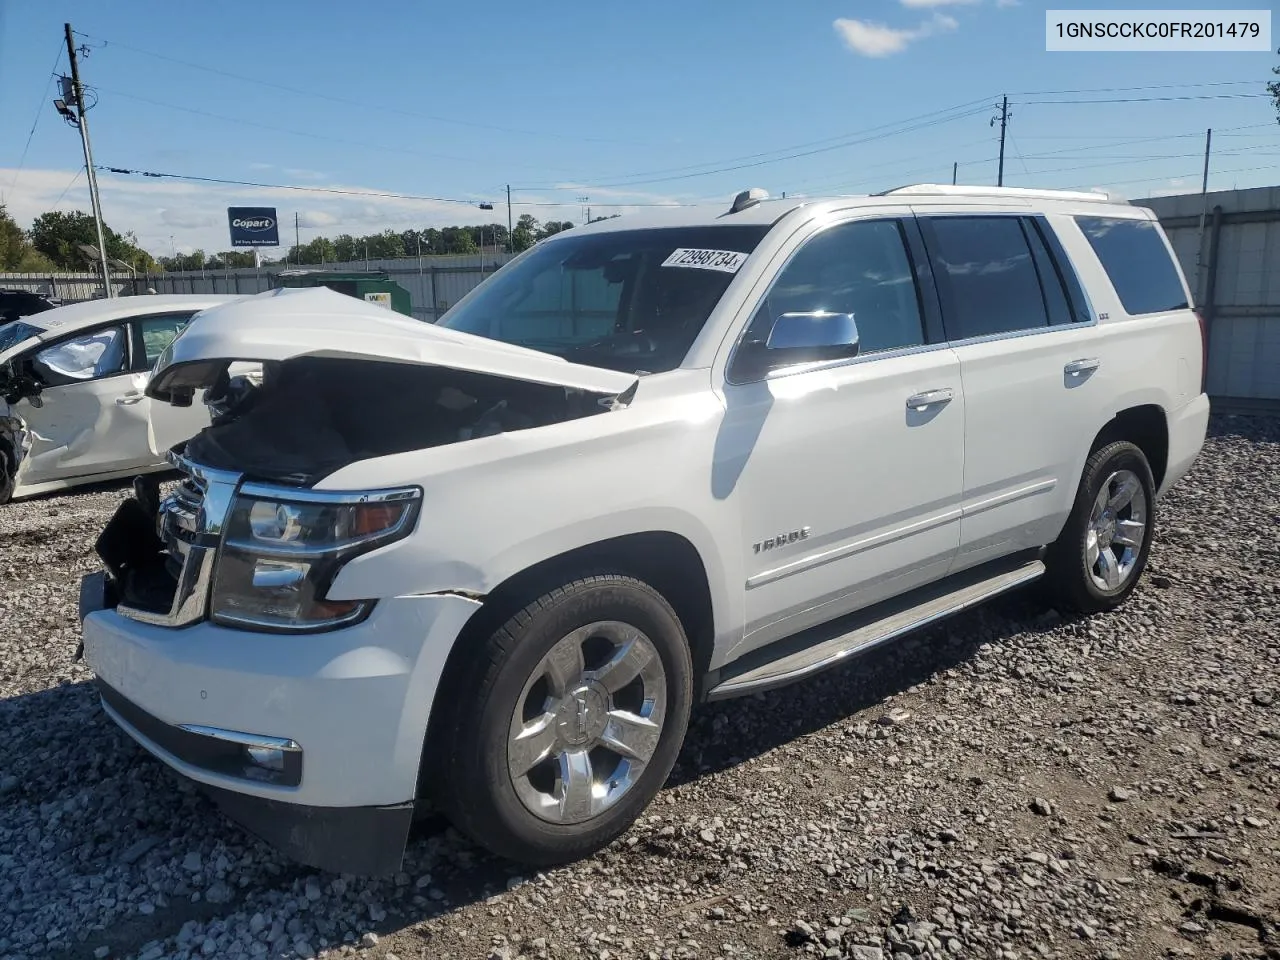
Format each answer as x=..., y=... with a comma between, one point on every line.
x=795, y=156
x=1193, y=173
x=1205, y=96
x=297, y=133
x=40, y=109
x=1125, y=137
x=67, y=188
x=787, y=149
x=301, y=92
x=350, y=193
x=1158, y=86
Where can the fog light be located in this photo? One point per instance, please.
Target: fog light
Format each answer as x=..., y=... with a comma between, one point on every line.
x=269, y=758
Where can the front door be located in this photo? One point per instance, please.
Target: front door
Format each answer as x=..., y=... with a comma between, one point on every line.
x=848, y=473
x=92, y=416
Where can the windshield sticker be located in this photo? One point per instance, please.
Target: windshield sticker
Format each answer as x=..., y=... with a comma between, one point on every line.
x=726, y=261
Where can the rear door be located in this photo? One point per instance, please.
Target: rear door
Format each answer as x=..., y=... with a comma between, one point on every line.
x=166, y=424
x=1017, y=318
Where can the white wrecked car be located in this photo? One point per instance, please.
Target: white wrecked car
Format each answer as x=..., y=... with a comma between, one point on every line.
x=72, y=406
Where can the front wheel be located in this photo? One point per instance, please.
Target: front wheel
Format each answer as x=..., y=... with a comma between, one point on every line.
x=7, y=481
x=1096, y=561
x=566, y=721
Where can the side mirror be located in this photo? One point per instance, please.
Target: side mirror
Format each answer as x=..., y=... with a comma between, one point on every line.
x=818, y=334
x=15, y=386
x=800, y=338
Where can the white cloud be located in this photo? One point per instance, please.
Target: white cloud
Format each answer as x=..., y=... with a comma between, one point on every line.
x=195, y=214
x=878, y=40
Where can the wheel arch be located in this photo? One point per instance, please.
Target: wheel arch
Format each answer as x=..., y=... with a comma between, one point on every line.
x=1146, y=426
x=667, y=561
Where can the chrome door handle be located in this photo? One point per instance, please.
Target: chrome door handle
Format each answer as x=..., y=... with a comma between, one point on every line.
x=128, y=398
x=920, y=401
x=1077, y=367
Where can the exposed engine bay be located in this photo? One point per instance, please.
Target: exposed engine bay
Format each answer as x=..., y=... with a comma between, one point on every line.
x=313, y=415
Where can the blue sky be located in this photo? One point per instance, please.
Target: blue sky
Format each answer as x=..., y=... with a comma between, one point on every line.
x=622, y=103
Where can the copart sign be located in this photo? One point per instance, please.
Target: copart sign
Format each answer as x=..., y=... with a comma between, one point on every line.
x=253, y=226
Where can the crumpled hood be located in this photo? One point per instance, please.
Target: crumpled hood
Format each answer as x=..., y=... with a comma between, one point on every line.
x=317, y=322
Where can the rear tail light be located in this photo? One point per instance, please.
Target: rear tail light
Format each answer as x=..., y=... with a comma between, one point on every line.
x=1204, y=351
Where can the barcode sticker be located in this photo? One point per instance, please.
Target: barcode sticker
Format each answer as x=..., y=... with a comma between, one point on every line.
x=726, y=261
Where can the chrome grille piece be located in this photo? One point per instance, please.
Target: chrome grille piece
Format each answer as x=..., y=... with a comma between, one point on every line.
x=190, y=525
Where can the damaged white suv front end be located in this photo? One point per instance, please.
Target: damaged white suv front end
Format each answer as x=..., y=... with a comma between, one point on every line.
x=224, y=635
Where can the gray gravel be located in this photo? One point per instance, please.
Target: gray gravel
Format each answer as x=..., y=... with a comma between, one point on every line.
x=1010, y=785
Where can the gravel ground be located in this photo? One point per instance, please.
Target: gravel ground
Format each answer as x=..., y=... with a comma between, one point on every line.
x=1009, y=785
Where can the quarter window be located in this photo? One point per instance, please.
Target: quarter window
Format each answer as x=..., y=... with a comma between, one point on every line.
x=860, y=268
x=1134, y=254
x=89, y=356
x=987, y=276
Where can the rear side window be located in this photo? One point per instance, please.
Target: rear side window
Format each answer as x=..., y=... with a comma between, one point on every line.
x=1138, y=263
x=986, y=274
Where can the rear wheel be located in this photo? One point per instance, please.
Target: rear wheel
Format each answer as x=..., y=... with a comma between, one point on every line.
x=566, y=721
x=1095, y=563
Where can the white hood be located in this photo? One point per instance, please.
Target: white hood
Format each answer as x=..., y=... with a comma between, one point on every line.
x=318, y=322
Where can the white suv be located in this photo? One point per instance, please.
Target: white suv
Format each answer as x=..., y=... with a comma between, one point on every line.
x=492, y=563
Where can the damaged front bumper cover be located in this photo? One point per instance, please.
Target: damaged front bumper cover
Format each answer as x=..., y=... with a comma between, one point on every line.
x=365, y=840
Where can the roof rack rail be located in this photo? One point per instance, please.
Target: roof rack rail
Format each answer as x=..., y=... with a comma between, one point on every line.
x=950, y=190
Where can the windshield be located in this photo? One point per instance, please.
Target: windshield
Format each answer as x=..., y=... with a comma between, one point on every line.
x=14, y=332
x=631, y=300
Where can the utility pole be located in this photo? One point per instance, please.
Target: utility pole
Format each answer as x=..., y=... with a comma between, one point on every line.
x=297, y=239
x=1004, y=125
x=77, y=93
x=511, y=244
x=955, y=169
x=1204, y=209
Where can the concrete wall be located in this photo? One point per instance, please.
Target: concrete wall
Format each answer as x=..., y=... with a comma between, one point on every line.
x=1236, y=283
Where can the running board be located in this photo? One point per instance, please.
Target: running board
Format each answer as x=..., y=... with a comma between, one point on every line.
x=940, y=601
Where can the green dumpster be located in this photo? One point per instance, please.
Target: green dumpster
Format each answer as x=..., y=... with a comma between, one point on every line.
x=373, y=286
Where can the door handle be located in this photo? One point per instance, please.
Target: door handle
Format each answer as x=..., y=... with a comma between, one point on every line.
x=920, y=401
x=1077, y=367
x=128, y=398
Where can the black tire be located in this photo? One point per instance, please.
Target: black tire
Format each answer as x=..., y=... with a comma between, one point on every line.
x=467, y=753
x=7, y=481
x=1069, y=574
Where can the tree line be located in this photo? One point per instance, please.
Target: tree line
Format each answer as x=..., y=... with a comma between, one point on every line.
x=432, y=241
x=55, y=240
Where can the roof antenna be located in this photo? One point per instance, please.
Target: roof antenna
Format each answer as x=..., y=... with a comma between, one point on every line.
x=748, y=198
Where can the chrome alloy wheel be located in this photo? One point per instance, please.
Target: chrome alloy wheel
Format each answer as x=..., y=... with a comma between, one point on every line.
x=587, y=722
x=1117, y=528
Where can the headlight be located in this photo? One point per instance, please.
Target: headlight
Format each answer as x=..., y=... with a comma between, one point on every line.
x=282, y=550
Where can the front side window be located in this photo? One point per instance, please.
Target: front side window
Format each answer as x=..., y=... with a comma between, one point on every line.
x=631, y=300
x=861, y=268
x=89, y=356
x=986, y=275
x=1134, y=255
